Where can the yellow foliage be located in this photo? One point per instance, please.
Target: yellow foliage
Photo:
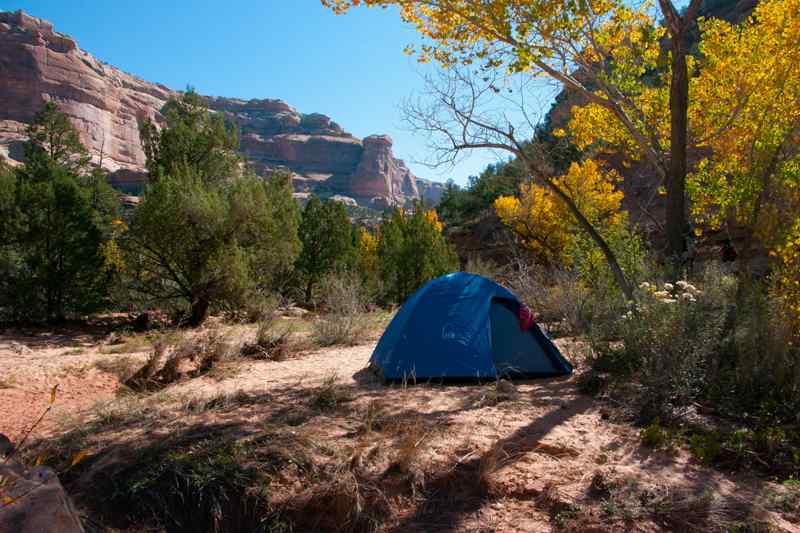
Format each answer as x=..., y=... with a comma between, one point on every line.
x=544, y=223
x=540, y=37
x=789, y=273
x=535, y=218
x=432, y=218
x=745, y=110
x=113, y=257
x=367, y=249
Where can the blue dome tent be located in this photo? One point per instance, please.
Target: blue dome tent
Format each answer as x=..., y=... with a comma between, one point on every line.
x=463, y=326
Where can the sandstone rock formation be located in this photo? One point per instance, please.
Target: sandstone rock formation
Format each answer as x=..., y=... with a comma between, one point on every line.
x=38, y=64
x=430, y=192
x=33, y=499
x=379, y=171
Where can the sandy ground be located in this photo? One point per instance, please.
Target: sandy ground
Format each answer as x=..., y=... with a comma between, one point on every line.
x=32, y=364
x=549, y=442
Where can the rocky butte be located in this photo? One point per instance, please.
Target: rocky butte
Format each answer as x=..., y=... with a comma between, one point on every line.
x=106, y=105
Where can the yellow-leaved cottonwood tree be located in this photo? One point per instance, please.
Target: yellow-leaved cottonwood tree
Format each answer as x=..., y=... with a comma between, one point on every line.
x=745, y=112
x=599, y=48
x=744, y=123
x=543, y=223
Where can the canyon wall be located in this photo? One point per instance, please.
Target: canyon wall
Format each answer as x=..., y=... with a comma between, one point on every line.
x=106, y=105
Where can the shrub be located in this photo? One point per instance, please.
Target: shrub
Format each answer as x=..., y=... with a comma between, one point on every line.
x=670, y=337
x=268, y=344
x=657, y=436
x=723, y=346
x=706, y=446
x=207, y=234
x=343, y=321
x=57, y=225
x=191, y=356
x=327, y=242
x=257, y=308
x=556, y=296
x=484, y=267
x=412, y=250
x=202, y=485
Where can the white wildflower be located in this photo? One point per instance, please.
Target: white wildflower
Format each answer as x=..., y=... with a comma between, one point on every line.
x=644, y=285
x=688, y=297
x=682, y=285
x=668, y=287
x=669, y=300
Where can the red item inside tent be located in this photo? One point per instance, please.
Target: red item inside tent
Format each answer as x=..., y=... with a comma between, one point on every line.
x=525, y=317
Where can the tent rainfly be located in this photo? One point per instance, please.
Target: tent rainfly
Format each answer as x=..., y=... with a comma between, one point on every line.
x=464, y=326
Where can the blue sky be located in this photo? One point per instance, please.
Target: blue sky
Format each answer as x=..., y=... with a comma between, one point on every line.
x=349, y=67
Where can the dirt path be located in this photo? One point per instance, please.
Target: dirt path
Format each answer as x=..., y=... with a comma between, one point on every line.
x=544, y=446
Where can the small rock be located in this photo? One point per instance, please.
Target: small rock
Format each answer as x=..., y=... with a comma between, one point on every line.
x=6, y=447
x=506, y=390
x=294, y=311
x=142, y=322
x=38, y=504
x=20, y=349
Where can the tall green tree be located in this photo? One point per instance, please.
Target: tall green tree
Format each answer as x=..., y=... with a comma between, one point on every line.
x=328, y=243
x=57, y=218
x=208, y=232
x=9, y=233
x=192, y=138
x=412, y=251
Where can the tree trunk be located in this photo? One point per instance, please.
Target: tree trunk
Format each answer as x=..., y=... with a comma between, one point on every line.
x=608, y=253
x=676, y=220
x=198, y=311
x=676, y=215
x=309, y=290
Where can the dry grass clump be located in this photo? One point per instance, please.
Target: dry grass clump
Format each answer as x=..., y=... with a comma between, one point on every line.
x=487, y=466
x=79, y=370
x=119, y=343
x=330, y=394
x=268, y=345
x=375, y=417
x=338, y=329
x=8, y=381
x=408, y=448
x=343, y=322
x=201, y=479
x=672, y=508
x=223, y=401
x=500, y=391
x=686, y=510
x=410, y=435
x=123, y=367
x=345, y=502
x=258, y=309
x=564, y=513
x=193, y=356
x=196, y=479
x=122, y=342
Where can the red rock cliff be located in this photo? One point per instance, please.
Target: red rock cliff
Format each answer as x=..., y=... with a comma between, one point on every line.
x=38, y=64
